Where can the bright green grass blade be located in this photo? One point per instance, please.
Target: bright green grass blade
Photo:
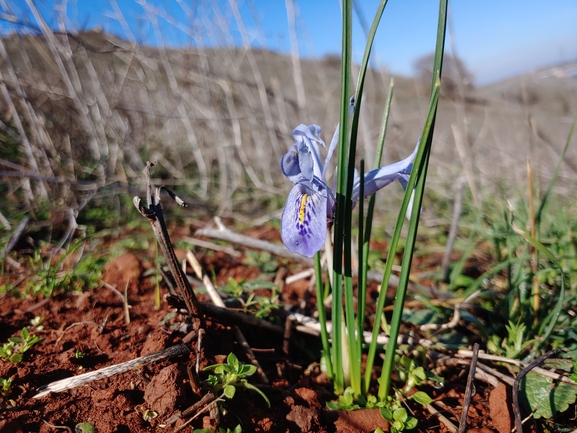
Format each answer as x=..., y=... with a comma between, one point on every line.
x=355, y=326
x=343, y=217
x=418, y=178
x=341, y=198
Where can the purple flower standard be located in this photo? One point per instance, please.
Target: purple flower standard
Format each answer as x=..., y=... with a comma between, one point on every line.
x=311, y=203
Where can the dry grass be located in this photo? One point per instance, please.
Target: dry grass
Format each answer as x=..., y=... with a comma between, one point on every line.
x=94, y=108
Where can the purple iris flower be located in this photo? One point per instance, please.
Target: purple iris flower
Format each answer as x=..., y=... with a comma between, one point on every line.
x=311, y=203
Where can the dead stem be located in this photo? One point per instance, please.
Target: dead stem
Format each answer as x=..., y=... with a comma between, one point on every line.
x=61, y=427
x=124, y=298
x=156, y=218
x=469, y=389
x=113, y=370
x=442, y=418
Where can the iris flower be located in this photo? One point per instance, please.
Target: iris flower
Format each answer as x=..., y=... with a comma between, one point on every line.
x=311, y=203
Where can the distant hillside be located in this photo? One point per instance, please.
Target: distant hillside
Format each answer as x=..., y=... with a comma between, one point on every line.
x=94, y=107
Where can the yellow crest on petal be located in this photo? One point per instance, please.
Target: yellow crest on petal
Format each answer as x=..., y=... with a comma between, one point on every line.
x=302, y=208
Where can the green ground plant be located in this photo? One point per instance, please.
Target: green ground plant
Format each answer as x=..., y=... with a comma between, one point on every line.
x=47, y=275
x=5, y=385
x=226, y=378
x=263, y=260
x=14, y=349
x=258, y=305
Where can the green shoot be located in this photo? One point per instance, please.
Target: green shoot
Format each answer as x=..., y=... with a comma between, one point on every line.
x=84, y=427
x=227, y=377
x=16, y=346
x=5, y=385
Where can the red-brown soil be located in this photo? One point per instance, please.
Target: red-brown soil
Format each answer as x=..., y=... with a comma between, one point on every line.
x=93, y=323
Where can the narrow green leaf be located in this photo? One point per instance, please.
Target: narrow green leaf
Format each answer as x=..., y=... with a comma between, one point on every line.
x=254, y=388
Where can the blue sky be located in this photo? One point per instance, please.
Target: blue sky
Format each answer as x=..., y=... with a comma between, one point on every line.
x=495, y=38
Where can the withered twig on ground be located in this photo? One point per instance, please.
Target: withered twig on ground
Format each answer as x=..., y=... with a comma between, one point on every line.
x=483, y=373
x=538, y=370
x=442, y=418
x=456, y=316
x=211, y=246
x=229, y=317
x=5, y=223
x=494, y=374
x=86, y=322
x=154, y=215
x=210, y=407
x=205, y=400
x=469, y=389
x=124, y=298
x=58, y=427
x=113, y=370
x=516, y=409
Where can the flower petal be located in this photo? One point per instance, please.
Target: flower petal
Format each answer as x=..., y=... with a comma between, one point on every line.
x=289, y=164
x=304, y=220
x=311, y=137
x=381, y=177
x=306, y=161
x=311, y=132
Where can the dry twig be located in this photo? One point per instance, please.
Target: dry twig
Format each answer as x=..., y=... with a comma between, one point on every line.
x=469, y=390
x=113, y=370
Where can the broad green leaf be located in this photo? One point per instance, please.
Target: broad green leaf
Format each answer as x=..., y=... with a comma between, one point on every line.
x=400, y=414
x=546, y=399
x=422, y=397
x=232, y=360
x=411, y=423
x=84, y=427
x=229, y=391
x=386, y=413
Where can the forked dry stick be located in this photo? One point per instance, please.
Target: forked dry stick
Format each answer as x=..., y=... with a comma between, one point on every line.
x=154, y=215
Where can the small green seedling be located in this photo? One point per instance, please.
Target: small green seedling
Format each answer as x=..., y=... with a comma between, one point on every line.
x=5, y=385
x=149, y=415
x=399, y=418
x=514, y=344
x=84, y=427
x=345, y=401
x=16, y=346
x=78, y=354
x=231, y=375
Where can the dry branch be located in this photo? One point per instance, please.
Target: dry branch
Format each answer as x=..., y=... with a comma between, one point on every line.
x=113, y=370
